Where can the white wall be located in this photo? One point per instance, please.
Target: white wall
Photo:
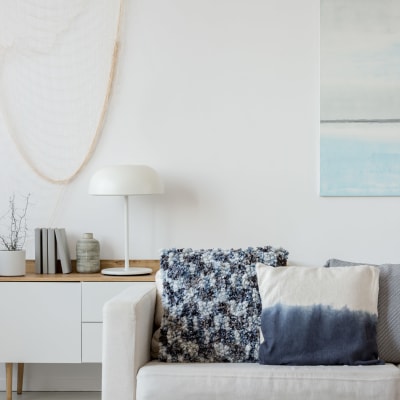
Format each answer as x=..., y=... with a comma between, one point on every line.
x=222, y=98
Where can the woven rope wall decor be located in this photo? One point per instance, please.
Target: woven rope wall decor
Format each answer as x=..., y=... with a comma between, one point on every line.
x=57, y=62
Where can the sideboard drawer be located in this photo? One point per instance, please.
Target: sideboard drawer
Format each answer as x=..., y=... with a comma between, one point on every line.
x=95, y=294
x=91, y=342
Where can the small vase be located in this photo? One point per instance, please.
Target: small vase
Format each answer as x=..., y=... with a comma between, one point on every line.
x=12, y=263
x=87, y=254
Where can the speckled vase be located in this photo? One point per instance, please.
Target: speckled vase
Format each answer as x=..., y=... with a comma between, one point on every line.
x=87, y=254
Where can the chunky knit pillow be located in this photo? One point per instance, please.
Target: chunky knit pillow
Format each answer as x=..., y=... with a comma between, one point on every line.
x=211, y=303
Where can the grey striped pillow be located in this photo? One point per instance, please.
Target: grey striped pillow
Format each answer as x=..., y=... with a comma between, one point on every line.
x=388, y=327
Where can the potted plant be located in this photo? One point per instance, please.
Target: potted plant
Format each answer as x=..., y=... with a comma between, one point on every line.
x=12, y=239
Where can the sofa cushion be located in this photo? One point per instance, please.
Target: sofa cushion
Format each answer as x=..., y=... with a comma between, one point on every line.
x=314, y=315
x=239, y=381
x=388, y=327
x=211, y=304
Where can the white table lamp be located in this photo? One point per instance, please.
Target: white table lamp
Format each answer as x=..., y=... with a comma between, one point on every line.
x=125, y=180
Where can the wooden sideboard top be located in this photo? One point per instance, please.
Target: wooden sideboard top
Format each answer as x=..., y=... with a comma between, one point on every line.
x=74, y=276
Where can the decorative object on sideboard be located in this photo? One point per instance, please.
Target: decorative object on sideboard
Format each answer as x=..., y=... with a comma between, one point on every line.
x=87, y=254
x=12, y=256
x=51, y=245
x=126, y=180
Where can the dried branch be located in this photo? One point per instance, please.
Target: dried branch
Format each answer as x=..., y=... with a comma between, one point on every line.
x=17, y=225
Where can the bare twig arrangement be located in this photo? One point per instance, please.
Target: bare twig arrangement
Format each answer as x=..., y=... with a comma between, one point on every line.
x=16, y=226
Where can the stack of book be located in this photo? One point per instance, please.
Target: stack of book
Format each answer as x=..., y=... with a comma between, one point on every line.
x=51, y=250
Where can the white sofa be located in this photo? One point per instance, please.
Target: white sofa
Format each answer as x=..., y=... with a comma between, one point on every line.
x=129, y=373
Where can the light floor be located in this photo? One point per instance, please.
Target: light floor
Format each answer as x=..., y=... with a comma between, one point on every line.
x=53, y=396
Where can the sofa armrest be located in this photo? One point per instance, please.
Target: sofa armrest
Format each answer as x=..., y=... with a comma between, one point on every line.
x=127, y=330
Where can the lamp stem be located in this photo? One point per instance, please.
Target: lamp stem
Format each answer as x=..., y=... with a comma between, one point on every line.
x=126, y=232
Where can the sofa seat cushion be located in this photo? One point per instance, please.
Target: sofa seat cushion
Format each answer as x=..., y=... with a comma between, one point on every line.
x=239, y=381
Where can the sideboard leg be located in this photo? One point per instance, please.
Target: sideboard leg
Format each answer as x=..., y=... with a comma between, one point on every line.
x=9, y=371
x=20, y=377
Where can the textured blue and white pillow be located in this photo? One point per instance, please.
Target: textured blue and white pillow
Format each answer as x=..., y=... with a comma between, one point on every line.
x=318, y=316
x=211, y=304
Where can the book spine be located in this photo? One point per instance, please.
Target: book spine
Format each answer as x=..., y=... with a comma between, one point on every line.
x=51, y=251
x=38, y=250
x=44, y=250
x=63, y=250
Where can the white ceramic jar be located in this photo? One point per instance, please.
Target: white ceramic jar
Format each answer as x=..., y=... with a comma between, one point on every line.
x=12, y=262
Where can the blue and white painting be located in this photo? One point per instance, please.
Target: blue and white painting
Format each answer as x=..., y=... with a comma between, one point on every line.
x=360, y=98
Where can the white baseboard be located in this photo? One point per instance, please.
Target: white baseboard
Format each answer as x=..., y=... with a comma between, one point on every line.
x=56, y=377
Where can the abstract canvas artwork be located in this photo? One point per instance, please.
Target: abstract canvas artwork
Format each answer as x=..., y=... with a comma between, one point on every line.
x=360, y=98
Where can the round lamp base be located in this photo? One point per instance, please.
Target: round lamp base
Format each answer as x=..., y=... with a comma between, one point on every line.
x=127, y=271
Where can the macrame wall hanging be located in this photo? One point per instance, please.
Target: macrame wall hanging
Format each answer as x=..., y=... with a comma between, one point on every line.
x=57, y=61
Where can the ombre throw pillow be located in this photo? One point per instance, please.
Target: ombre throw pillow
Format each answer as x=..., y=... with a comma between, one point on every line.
x=318, y=316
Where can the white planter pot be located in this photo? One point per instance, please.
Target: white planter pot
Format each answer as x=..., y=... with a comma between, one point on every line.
x=12, y=263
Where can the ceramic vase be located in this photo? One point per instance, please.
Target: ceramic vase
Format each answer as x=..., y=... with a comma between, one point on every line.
x=12, y=263
x=87, y=254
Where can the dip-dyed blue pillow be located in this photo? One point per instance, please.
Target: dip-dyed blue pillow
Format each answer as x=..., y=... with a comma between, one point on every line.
x=318, y=316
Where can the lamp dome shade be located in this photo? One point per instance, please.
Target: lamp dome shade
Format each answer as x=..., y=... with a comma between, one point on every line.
x=125, y=180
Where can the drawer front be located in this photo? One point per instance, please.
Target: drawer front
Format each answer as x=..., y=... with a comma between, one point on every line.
x=95, y=294
x=91, y=342
x=40, y=322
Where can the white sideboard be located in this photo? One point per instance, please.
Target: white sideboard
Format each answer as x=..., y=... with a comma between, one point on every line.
x=57, y=318
x=54, y=322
